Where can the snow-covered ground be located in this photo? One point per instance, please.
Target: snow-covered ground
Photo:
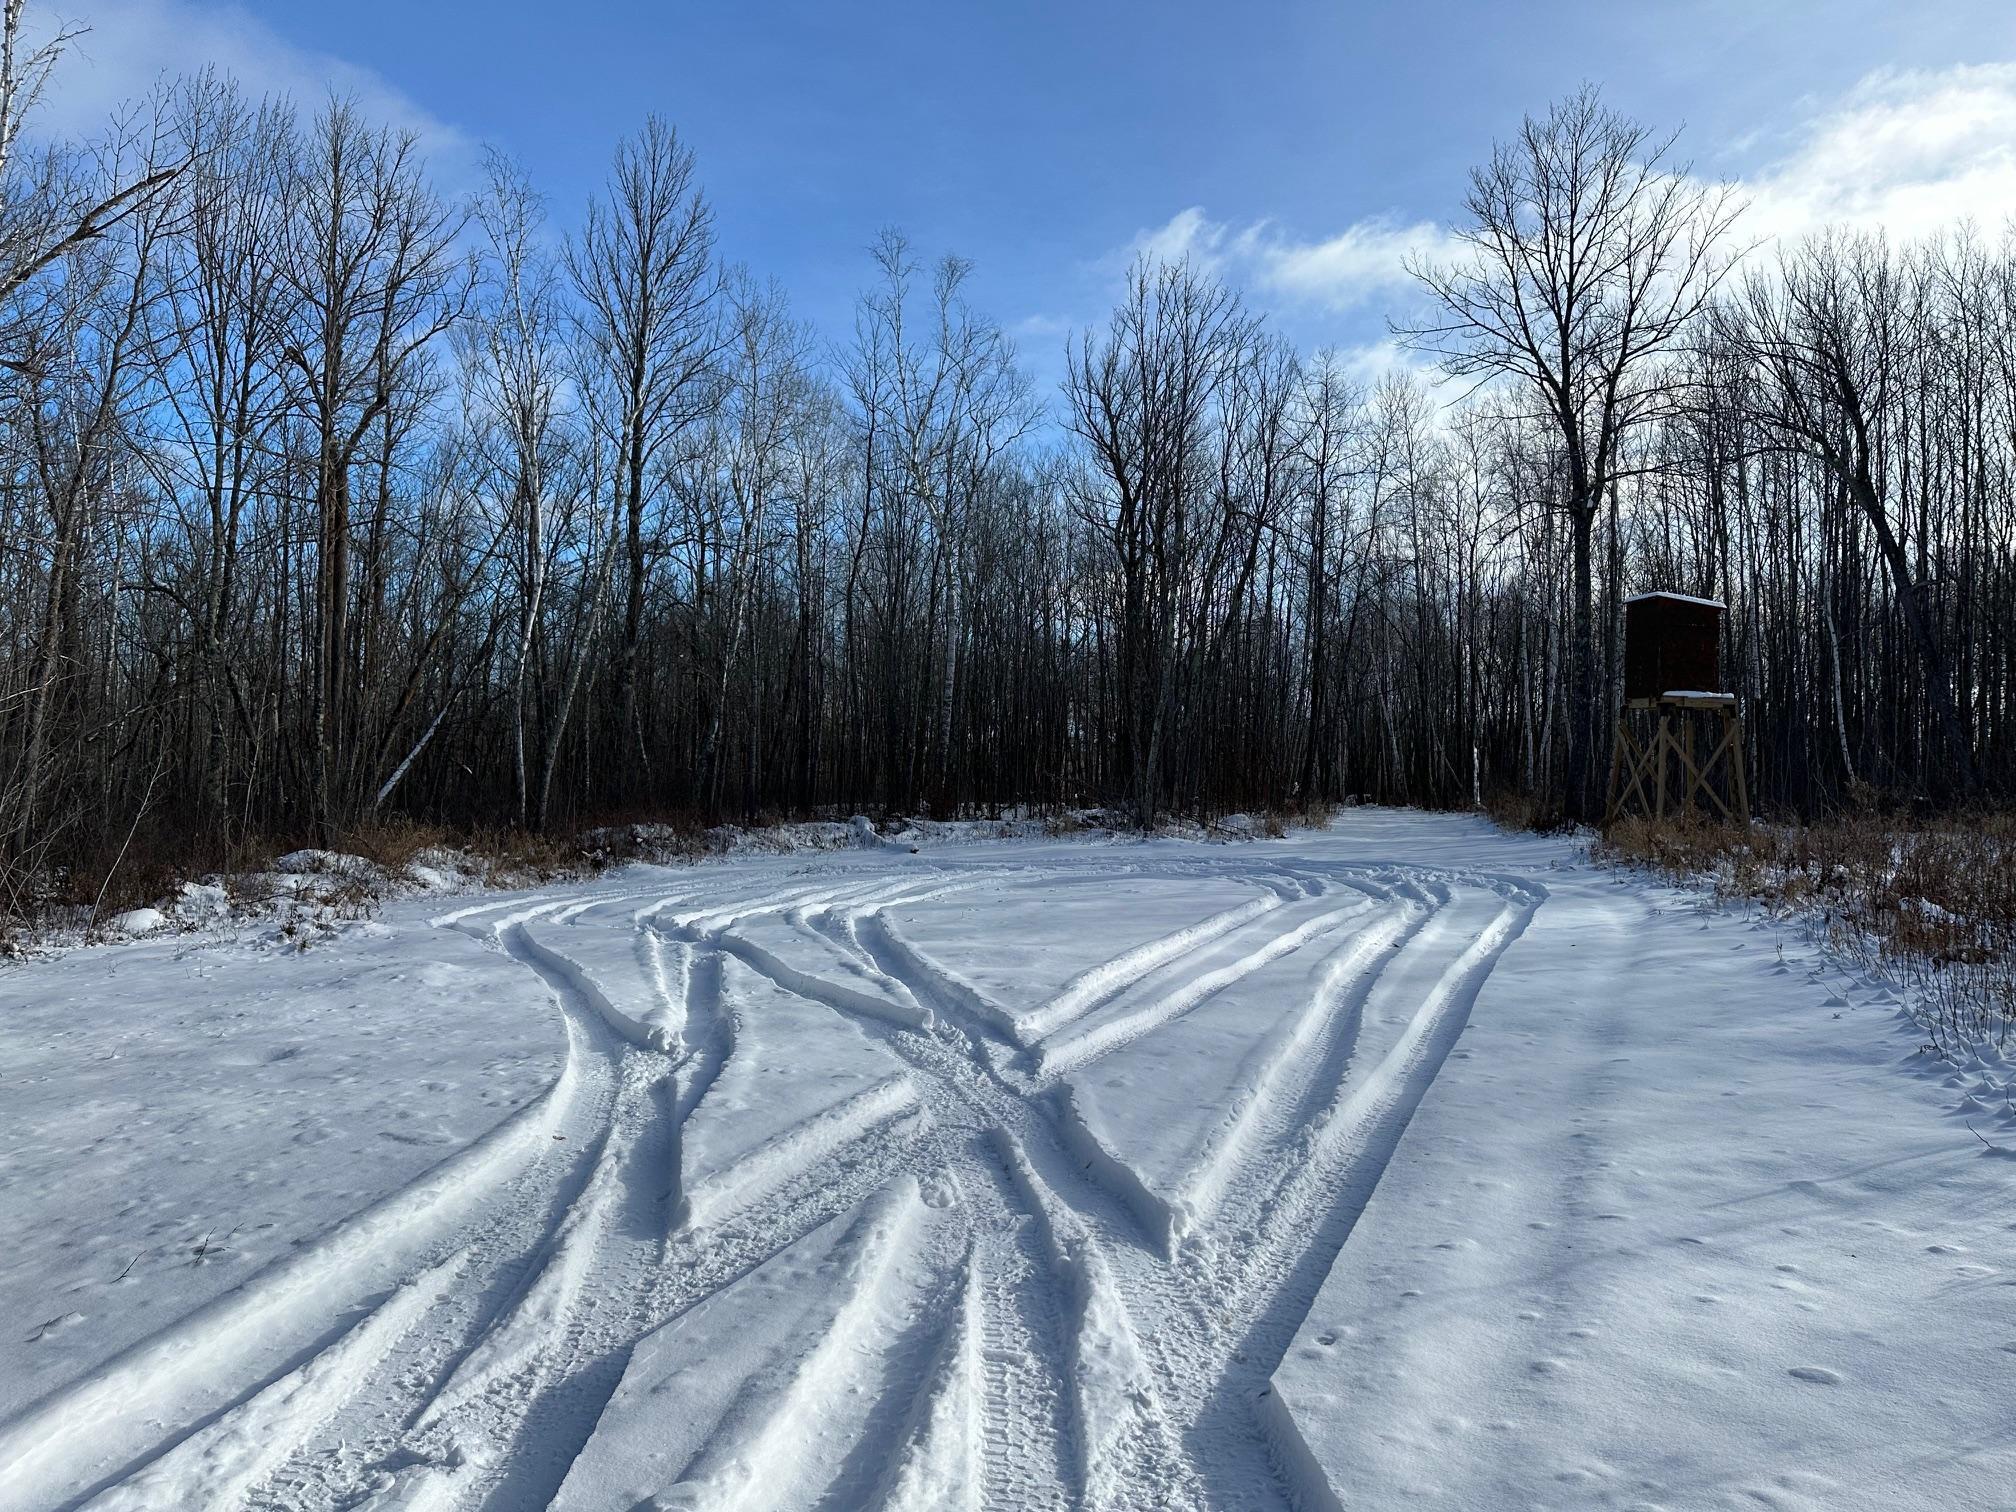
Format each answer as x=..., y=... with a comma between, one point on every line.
x=1404, y=1163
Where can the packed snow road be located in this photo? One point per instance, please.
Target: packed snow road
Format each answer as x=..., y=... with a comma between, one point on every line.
x=1402, y=1163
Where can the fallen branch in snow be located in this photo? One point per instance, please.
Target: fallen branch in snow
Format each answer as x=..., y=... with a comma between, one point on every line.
x=1992, y=1149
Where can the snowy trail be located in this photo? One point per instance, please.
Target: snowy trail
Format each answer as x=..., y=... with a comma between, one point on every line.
x=810, y=1218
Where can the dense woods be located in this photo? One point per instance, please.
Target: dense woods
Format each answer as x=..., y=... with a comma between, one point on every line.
x=327, y=497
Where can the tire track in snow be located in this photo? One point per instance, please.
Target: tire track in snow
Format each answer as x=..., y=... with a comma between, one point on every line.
x=774, y=1445
x=1322, y=1037
x=1189, y=1314
x=1250, y=947
x=219, y=1465
x=1221, y=1455
x=522, y=1272
x=797, y=1149
x=1091, y=988
x=1026, y=1407
x=1030, y=1342
x=1301, y=1214
x=141, y=1405
x=487, y=1418
x=1025, y=1411
x=942, y=1458
x=493, y=1361
x=725, y=1229
x=953, y=995
x=1115, y=1432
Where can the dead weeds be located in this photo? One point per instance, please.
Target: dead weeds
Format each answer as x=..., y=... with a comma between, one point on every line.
x=1930, y=905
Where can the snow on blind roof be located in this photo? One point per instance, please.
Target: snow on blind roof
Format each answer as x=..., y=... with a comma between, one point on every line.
x=1685, y=598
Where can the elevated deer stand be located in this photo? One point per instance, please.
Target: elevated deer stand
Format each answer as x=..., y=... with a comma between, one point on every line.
x=1671, y=644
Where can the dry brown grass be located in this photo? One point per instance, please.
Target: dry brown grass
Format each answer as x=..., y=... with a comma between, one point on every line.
x=1519, y=809
x=1931, y=905
x=393, y=843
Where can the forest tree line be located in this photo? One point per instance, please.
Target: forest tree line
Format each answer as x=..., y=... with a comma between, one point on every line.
x=327, y=497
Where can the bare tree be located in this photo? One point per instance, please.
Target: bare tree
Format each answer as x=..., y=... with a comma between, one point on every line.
x=514, y=365
x=941, y=402
x=47, y=207
x=374, y=276
x=1332, y=410
x=644, y=270
x=215, y=342
x=80, y=382
x=1834, y=347
x=1143, y=398
x=1590, y=254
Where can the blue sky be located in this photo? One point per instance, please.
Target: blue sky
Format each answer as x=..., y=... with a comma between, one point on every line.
x=1301, y=147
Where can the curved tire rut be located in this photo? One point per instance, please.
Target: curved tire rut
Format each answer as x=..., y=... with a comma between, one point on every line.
x=1055, y=1350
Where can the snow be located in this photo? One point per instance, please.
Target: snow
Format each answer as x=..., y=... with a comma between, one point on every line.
x=1406, y=1162
x=733, y=1404
x=985, y=945
x=1683, y=598
x=200, y=902
x=1690, y=1239
x=794, y=1075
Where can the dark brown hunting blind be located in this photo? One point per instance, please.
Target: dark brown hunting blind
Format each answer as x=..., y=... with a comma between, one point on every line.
x=1671, y=643
x=1672, y=672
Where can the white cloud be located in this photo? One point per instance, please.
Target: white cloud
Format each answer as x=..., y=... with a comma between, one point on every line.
x=1365, y=259
x=1372, y=362
x=1187, y=234
x=1337, y=273
x=133, y=44
x=1041, y=328
x=1905, y=151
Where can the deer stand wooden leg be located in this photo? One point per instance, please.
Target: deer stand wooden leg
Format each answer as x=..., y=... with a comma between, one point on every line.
x=1635, y=765
x=1736, y=773
x=1707, y=773
x=1613, y=798
x=1685, y=753
x=1662, y=740
x=1701, y=774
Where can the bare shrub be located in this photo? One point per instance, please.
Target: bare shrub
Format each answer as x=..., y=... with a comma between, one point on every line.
x=1522, y=809
x=394, y=843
